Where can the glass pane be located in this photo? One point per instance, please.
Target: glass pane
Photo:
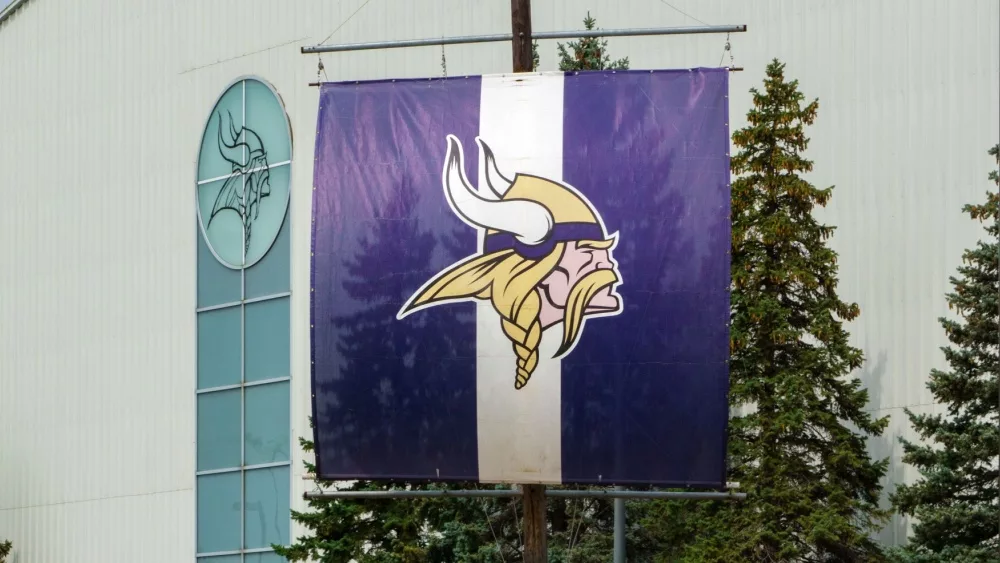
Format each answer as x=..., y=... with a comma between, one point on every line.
x=217, y=284
x=219, y=206
x=268, y=508
x=219, y=430
x=219, y=347
x=220, y=559
x=269, y=190
x=214, y=158
x=267, y=423
x=219, y=512
x=271, y=274
x=266, y=557
x=266, y=118
x=267, y=333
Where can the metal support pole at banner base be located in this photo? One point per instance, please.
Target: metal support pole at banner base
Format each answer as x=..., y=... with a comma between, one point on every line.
x=498, y=37
x=619, y=550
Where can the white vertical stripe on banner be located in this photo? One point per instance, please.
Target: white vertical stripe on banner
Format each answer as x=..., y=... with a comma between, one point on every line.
x=519, y=430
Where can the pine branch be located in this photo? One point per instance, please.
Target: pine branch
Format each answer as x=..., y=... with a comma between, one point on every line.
x=955, y=500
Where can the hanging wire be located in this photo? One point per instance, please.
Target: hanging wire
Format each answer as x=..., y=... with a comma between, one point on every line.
x=496, y=539
x=365, y=3
x=444, y=61
x=728, y=48
x=320, y=69
x=580, y=509
x=489, y=522
x=681, y=12
x=517, y=524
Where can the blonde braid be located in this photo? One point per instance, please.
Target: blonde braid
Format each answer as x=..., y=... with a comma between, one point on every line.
x=515, y=297
x=525, y=332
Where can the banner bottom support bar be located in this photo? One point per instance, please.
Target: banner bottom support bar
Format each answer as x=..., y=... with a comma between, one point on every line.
x=509, y=493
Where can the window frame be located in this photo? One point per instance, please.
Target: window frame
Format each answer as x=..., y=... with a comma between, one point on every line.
x=286, y=269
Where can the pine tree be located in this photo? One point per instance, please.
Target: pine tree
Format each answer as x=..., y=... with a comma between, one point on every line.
x=589, y=53
x=957, y=498
x=797, y=437
x=5, y=548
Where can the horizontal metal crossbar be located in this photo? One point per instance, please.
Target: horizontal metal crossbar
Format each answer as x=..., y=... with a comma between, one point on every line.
x=672, y=495
x=555, y=493
x=497, y=37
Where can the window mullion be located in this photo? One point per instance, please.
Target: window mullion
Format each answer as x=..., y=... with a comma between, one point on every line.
x=243, y=341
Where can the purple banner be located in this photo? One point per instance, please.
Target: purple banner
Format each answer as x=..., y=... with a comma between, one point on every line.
x=523, y=278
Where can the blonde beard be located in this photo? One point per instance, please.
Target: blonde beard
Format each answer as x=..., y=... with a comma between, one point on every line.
x=576, y=304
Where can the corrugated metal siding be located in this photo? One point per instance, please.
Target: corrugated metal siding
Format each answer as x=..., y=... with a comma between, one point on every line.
x=101, y=109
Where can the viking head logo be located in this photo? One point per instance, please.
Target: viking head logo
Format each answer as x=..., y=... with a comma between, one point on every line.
x=249, y=181
x=545, y=257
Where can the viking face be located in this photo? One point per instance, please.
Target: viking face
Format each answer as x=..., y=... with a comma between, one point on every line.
x=546, y=257
x=580, y=261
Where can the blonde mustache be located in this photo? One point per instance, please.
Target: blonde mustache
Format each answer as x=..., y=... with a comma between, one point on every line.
x=579, y=297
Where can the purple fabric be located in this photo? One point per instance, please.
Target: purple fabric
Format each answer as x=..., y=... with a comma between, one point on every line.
x=644, y=393
x=391, y=398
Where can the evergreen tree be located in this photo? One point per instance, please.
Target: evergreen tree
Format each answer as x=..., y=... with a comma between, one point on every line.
x=589, y=53
x=5, y=548
x=404, y=530
x=957, y=499
x=797, y=437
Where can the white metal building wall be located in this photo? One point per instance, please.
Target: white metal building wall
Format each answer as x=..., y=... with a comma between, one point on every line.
x=101, y=109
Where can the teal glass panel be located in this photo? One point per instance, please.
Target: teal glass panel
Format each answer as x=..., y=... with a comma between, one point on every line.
x=271, y=274
x=264, y=557
x=268, y=210
x=219, y=430
x=217, y=284
x=219, y=347
x=221, y=559
x=267, y=423
x=267, y=119
x=267, y=333
x=221, y=219
x=219, y=512
x=225, y=119
x=268, y=507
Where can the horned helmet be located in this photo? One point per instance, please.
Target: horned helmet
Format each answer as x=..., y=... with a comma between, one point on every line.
x=531, y=226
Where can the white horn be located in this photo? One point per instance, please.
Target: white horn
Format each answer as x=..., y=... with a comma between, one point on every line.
x=530, y=222
x=495, y=181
